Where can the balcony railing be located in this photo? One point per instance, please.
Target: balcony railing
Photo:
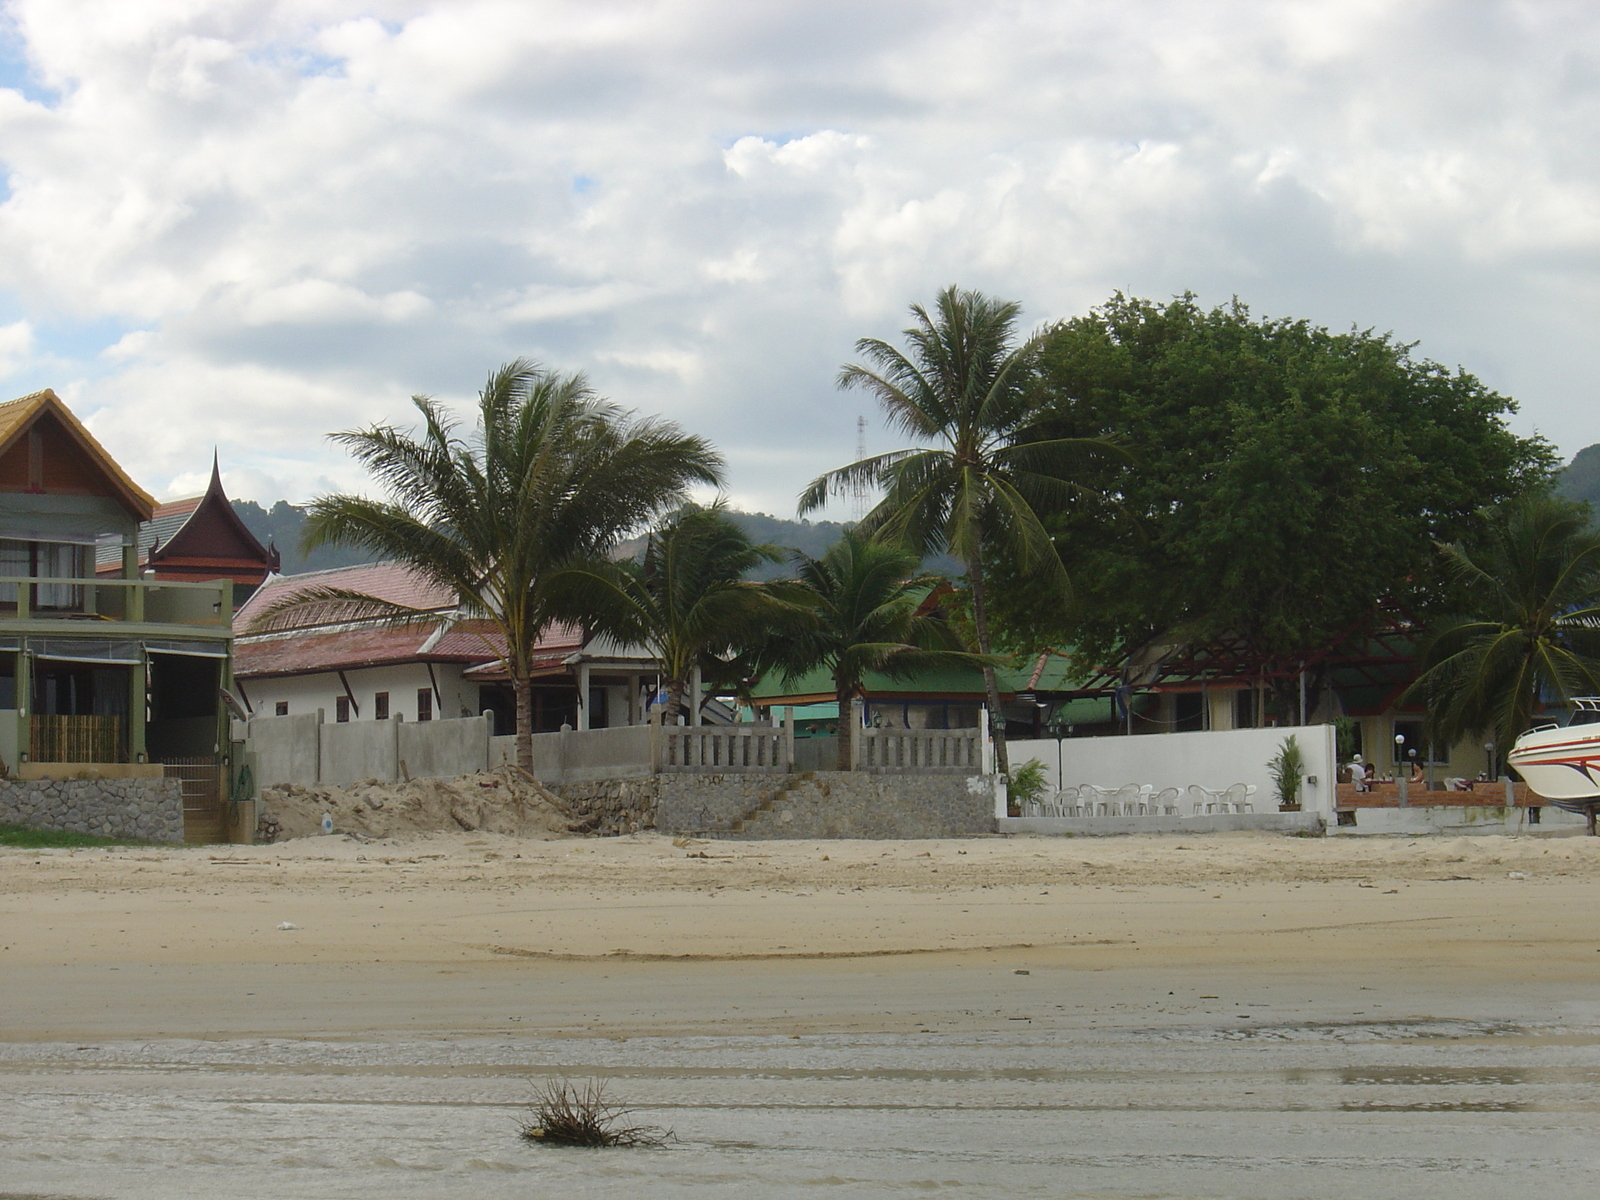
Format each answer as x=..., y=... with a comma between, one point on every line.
x=136, y=601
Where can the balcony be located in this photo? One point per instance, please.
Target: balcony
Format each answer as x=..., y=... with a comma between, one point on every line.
x=60, y=606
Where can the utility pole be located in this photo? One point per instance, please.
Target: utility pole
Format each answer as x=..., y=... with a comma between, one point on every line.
x=859, y=490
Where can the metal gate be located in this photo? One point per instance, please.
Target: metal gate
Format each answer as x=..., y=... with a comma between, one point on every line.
x=204, y=801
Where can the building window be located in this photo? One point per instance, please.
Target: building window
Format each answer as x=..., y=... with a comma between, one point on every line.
x=380, y=706
x=281, y=708
x=1244, y=709
x=341, y=709
x=424, y=704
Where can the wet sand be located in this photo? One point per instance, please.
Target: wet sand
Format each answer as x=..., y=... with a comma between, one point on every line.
x=1243, y=1016
x=637, y=936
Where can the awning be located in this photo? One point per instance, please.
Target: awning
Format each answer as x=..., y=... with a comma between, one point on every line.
x=85, y=650
x=191, y=649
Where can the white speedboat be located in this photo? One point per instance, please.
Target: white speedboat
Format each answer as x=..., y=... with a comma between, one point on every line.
x=1562, y=762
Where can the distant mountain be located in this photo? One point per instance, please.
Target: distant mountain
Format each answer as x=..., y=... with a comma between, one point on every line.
x=284, y=523
x=1580, y=480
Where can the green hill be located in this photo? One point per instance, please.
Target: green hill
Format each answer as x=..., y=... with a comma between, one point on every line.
x=1580, y=480
x=283, y=523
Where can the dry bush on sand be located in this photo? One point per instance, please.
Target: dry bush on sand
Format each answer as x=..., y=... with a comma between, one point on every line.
x=569, y=1114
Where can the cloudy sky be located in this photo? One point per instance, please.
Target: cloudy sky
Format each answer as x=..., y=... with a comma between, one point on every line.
x=245, y=224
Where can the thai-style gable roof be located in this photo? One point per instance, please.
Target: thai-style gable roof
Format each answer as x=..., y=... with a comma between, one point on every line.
x=197, y=533
x=93, y=469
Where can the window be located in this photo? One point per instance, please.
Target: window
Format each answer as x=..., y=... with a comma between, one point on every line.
x=341, y=709
x=424, y=704
x=380, y=706
x=1244, y=709
x=281, y=708
x=1188, y=714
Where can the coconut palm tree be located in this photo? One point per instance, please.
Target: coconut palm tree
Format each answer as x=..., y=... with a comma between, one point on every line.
x=686, y=599
x=1530, y=627
x=862, y=608
x=552, y=475
x=987, y=473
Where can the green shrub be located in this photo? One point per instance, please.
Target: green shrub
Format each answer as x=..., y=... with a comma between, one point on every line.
x=1027, y=781
x=1288, y=768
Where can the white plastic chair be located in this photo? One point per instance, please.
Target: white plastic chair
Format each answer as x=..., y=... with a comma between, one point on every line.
x=1237, y=798
x=1165, y=802
x=1126, y=801
x=1104, y=798
x=1204, y=800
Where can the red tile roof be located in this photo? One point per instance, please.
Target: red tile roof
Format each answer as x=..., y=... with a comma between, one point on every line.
x=390, y=581
x=309, y=653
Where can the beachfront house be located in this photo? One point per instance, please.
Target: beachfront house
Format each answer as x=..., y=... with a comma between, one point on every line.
x=109, y=674
x=447, y=665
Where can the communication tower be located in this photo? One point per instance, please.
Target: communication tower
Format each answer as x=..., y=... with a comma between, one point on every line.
x=859, y=488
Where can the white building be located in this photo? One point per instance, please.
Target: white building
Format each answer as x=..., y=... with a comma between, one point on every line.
x=450, y=667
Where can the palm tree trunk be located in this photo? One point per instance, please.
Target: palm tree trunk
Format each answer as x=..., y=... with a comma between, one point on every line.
x=676, y=704
x=522, y=686
x=845, y=758
x=997, y=718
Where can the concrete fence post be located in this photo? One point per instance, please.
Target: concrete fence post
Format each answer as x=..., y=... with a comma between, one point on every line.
x=788, y=739
x=316, y=747
x=655, y=742
x=858, y=732
x=487, y=722
x=562, y=751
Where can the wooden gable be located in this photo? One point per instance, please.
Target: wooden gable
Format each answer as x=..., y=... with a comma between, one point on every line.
x=212, y=542
x=45, y=450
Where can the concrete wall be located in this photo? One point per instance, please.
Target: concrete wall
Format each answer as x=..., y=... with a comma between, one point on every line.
x=149, y=810
x=443, y=749
x=360, y=750
x=287, y=749
x=574, y=757
x=1456, y=820
x=827, y=804
x=1213, y=760
x=1260, y=822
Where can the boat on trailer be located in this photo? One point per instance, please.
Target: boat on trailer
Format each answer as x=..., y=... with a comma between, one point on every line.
x=1562, y=762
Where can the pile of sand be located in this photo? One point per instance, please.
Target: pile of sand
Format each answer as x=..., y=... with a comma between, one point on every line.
x=488, y=801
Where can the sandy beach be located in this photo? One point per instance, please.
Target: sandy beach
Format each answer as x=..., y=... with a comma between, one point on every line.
x=639, y=935
x=1238, y=1016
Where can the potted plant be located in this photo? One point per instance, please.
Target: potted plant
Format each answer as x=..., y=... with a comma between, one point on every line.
x=1288, y=767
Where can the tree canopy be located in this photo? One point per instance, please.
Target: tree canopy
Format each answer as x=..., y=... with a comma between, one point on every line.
x=553, y=475
x=1285, y=478
x=1530, y=628
x=983, y=472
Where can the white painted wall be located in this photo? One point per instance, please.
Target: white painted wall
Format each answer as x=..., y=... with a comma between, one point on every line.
x=307, y=693
x=1214, y=759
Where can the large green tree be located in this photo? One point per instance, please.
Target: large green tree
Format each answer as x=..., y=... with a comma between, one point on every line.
x=861, y=607
x=686, y=598
x=552, y=475
x=984, y=471
x=1528, y=628
x=1288, y=478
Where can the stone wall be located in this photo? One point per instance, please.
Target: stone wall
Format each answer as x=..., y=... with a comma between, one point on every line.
x=609, y=807
x=149, y=810
x=827, y=804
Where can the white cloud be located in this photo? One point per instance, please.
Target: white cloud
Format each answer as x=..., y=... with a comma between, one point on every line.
x=285, y=216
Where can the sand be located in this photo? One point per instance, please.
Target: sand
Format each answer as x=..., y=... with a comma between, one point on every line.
x=490, y=801
x=644, y=935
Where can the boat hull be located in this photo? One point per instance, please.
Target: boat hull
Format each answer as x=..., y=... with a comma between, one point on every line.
x=1560, y=764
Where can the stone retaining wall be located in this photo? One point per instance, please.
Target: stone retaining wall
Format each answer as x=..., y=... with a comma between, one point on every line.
x=609, y=807
x=827, y=804
x=149, y=810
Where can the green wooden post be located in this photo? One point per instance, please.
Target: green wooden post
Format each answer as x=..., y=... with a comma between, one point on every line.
x=24, y=698
x=138, y=686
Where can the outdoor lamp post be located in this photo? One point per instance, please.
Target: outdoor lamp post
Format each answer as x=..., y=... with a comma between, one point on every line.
x=1399, y=758
x=1059, y=732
